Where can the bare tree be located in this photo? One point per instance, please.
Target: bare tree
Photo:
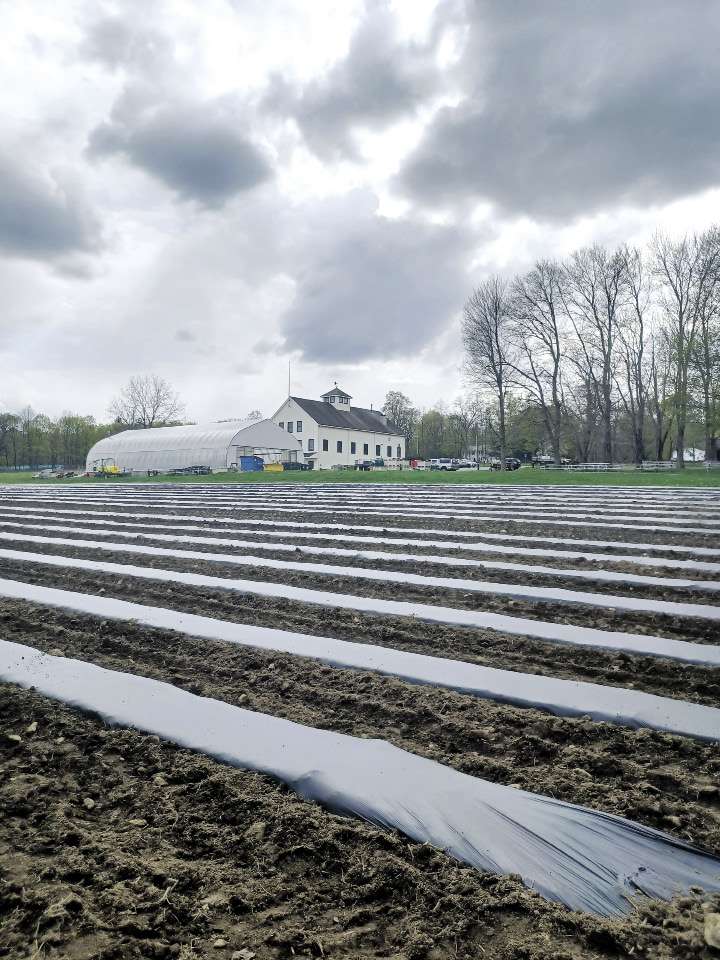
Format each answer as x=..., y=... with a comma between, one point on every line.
x=486, y=332
x=660, y=376
x=633, y=381
x=539, y=323
x=594, y=288
x=254, y=415
x=705, y=370
x=464, y=421
x=400, y=412
x=27, y=432
x=688, y=271
x=581, y=400
x=146, y=401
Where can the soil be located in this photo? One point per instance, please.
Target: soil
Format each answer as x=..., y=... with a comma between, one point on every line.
x=115, y=844
x=698, y=630
x=657, y=675
x=537, y=530
x=147, y=536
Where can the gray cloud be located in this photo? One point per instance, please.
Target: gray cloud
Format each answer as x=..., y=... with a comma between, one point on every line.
x=368, y=287
x=572, y=107
x=40, y=216
x=380, y=81
x=196, y=150
x=118, y=42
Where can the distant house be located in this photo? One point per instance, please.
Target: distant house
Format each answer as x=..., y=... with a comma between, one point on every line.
x=333, y=432
x=690, y=455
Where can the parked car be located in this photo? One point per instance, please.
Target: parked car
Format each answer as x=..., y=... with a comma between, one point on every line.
x=511, y=463
x=443, y=463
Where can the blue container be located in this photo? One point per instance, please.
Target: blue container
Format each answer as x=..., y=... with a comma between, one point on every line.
x=251, y=464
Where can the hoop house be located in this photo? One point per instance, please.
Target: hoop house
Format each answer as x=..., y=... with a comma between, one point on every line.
x=218, y=446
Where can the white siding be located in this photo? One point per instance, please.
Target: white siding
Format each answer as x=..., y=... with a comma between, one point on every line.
x=325, y=459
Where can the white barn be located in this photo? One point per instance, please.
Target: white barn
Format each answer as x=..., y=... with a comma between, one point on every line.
x=333, y=432
x=215, y=445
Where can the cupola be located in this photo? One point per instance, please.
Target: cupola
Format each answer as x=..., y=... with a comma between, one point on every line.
x=337, y=397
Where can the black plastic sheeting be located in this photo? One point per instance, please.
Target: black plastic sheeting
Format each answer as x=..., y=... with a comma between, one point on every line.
x=564, y=698
x=684, y=650
x=582, y=858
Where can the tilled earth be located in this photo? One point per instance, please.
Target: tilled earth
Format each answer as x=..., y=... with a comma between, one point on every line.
x=486, y=647
x=114, y=844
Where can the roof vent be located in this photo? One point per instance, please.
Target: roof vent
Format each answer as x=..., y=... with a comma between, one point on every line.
x=337, y=397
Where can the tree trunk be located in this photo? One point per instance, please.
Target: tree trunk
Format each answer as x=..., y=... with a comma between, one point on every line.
x=501, y=430
x=607, y=423
x=681, y=442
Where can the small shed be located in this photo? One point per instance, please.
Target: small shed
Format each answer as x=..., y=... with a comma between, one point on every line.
x=219, y=446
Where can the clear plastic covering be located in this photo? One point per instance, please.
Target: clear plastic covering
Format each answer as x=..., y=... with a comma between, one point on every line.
x=214, y=445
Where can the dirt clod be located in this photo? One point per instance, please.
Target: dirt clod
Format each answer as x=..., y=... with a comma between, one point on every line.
x=711, y=931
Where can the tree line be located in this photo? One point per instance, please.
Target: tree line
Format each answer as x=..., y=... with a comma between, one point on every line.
x=610, y=355
x=30, y=439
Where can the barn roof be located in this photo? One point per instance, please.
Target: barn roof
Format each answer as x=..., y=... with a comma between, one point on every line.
x=356, y=418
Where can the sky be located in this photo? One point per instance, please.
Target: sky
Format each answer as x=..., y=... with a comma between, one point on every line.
x=220, y=192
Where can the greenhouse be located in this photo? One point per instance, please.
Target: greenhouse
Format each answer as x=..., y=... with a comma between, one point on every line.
x=218, y=446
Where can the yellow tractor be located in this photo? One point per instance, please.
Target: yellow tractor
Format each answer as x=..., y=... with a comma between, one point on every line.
x=105, y=468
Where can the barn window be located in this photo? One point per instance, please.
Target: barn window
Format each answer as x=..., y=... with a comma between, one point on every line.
x=290, y=426
x=325, y=445
x=366, y=448
x=311, y=445
x=353, y=447
x=399, y=451
x=298, y=427
x=282, y=424
x=339, y=446
x=389, y=450
x=377, y=449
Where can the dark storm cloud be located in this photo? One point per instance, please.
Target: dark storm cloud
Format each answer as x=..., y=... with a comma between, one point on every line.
x=573, y=107
x=195, y=150
x=368, y=287
x=40, y=217
x=379, y=82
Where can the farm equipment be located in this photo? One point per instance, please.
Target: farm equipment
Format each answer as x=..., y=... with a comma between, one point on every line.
x=102, y=469
x=198, y=470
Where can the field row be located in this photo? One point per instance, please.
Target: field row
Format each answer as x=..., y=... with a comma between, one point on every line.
x=493, y=635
